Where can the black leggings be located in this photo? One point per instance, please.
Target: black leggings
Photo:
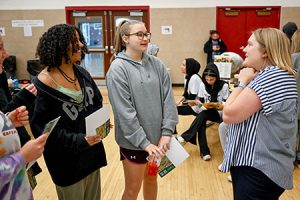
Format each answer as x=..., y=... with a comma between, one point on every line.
x=199, y=125
x=251, y=184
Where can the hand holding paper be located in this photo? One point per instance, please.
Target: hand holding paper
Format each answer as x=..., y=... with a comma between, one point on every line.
x=98, y=123
x=174, y=156
x=41, y=140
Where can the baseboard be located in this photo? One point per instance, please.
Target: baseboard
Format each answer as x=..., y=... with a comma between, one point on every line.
x=177, y=84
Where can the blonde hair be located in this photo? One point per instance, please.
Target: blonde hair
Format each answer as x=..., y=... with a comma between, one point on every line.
x=123, y=29
x=296, y=42
x=277, y=47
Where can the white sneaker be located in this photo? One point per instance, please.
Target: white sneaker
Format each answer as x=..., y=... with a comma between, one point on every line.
x=180, y=139
x=229, y=178
x=220, y=167
x=206, y=157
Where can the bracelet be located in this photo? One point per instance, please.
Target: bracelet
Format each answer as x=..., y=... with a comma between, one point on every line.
x=242, y=85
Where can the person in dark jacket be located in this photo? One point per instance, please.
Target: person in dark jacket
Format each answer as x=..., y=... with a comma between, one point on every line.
x=289, y=29
x=67, y=90
x=214, y=46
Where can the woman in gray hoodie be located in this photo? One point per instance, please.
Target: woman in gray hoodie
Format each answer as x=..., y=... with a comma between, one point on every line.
x=140, y=92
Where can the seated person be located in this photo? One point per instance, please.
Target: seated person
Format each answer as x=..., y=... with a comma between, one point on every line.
x=193, y=87
x=217, y=91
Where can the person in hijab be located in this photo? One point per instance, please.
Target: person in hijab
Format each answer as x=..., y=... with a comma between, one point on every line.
x=216, y=90
x=193, y=87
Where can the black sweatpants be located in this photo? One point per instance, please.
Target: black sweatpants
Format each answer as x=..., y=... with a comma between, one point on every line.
x=199, y=125
x=251, y=184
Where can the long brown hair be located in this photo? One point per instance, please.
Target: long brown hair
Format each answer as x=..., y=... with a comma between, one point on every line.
x=277, y=47
x=123, y=29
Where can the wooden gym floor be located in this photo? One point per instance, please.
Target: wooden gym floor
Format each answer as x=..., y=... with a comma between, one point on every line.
x=193, y=180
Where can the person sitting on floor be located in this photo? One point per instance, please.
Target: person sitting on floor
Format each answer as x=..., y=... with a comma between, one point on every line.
x=216, y=91
x=193, y=87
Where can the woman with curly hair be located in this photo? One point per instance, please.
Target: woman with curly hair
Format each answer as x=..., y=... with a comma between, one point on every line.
x=67, y=90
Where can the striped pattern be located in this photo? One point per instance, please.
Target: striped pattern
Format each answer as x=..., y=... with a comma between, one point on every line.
x=252, y=142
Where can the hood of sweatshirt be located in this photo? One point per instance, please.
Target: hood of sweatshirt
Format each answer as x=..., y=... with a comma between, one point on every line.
x=122, y=55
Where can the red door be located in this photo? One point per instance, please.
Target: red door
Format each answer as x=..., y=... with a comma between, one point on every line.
x=98, y=25
x=236, y=24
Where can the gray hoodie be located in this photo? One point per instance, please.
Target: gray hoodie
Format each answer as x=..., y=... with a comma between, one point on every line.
x=142, y=101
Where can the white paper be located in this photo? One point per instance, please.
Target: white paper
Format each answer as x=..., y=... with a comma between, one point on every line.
x=27, y=31
x=176, y=154
x=30, y=164
x=224, y=69
x=2, y=31
x=166, y=30
x=23, y=23
x=50, y=125
x=96, y=119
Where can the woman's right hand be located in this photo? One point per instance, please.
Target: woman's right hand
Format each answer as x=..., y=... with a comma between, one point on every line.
x=19, y=116
x=33, y=149
x=154, y=151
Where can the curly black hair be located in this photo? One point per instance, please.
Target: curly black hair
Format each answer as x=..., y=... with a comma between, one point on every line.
x=55, y=43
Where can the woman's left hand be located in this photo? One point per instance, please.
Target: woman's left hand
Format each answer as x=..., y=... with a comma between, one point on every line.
x=164, y=143
x=19, y=117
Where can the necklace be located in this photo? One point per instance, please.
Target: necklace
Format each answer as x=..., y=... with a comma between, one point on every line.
x=68, y=78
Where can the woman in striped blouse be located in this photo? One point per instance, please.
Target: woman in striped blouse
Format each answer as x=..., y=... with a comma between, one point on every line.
x=262, y=113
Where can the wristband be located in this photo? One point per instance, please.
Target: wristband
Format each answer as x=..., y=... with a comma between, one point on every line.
x=242, y=85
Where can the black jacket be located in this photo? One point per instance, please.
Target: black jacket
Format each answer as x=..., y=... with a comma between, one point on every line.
x=208, y=48
x=68, y=156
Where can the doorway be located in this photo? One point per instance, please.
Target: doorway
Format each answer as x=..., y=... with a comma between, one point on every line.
x=236, y=24
x=98, y=25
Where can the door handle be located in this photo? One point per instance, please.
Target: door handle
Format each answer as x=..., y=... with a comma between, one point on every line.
x=106, y=49
x=112, y=50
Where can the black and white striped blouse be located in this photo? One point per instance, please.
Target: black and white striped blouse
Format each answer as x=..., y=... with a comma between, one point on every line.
x=267, y=139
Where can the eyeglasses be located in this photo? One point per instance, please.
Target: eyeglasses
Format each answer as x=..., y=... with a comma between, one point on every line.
x=141, y=35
